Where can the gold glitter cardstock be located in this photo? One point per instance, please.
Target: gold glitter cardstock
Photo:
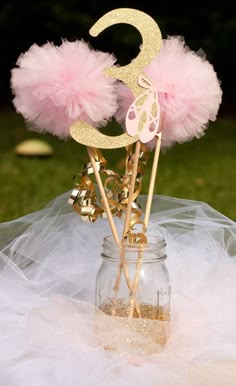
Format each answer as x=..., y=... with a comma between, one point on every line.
x=83, y=132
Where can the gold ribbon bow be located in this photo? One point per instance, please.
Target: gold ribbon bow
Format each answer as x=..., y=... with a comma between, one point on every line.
x=87, y=201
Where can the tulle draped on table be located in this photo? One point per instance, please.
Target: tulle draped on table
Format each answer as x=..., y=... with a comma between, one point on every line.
x=48, y=265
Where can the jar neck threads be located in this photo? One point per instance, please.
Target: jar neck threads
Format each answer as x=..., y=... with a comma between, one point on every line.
x=154, y=250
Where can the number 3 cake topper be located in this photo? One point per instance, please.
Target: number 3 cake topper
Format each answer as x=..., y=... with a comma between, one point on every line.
x=142, y=118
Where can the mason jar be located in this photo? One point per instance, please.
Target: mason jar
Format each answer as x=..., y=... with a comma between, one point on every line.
x=133, y=293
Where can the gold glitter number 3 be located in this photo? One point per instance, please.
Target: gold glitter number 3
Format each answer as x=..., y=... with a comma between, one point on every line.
x=81, y=131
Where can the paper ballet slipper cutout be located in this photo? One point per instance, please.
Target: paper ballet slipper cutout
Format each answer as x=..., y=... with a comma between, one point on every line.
x=144, y=113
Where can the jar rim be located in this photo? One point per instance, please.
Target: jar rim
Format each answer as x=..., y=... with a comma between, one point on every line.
x=154, y=249
x=154, y=243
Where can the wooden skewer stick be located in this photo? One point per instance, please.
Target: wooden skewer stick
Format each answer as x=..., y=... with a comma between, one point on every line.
x=135, y=285
x=146, y=220
x=152, y=180
x=133, y=297
x=131, y=189
x=104, y=197
x=153, y=173
x=108, y=210
x=123, y=266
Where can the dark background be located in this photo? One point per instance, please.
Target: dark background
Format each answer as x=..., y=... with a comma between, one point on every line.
x=210, y=25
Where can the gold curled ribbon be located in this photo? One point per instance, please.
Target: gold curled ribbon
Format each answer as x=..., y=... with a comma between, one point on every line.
x=84, y=198
x=87, y=202
x=132, y=236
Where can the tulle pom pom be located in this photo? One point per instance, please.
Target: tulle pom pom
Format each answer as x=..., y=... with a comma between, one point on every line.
x=188, y=89
x=57, y=85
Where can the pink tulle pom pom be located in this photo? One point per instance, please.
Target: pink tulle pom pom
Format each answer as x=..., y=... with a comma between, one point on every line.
x=57, y=85
x=188, y=89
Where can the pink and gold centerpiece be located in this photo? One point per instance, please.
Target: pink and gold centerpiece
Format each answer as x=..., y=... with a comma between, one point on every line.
x=167, y=94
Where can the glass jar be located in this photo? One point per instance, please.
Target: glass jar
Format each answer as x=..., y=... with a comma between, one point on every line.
x=133, y=288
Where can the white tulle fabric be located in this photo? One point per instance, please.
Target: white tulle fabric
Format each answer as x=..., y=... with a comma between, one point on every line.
x=48, y=262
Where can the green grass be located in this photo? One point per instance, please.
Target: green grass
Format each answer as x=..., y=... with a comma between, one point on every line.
x=203, y=169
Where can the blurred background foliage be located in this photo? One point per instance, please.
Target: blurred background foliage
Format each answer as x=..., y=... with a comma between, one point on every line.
x=203, y=169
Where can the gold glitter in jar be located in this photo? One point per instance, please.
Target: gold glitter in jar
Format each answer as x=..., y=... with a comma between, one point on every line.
x=133, y=335
x=145, y=335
